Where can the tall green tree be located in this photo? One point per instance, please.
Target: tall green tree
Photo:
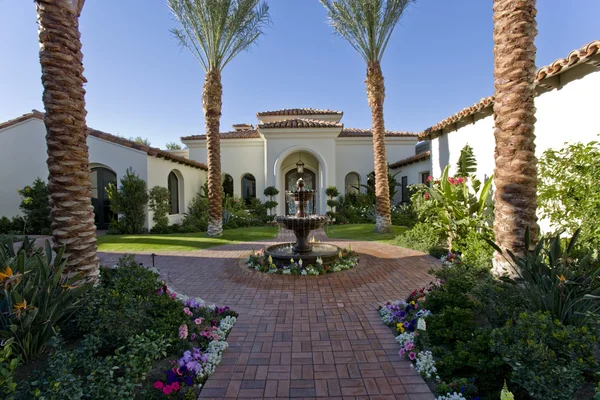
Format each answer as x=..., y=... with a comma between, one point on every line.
x=368, y=26
x=216, y=31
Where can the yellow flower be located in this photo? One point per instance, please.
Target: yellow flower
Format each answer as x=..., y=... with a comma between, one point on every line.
x=21, y=306
x=6, y=274
x=562, y=278
x=400, y=328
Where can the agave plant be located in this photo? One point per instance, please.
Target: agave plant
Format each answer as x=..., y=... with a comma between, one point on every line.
x=35, y=297
x=550, y=280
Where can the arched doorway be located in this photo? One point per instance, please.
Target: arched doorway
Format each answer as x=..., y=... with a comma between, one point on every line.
x=100, y=178
x=310, y=181
x=248, y=187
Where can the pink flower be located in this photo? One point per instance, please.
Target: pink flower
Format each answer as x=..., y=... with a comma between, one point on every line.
x=198, y=321
x=183, y=332
x=175, y=386
x=460, y=180
x=429, y=178
x=215, y=336
x=158, y=385
x=187, y=311
x=193, y=336
x=426, y=196
x=409, y=346
x=402, y=352
x=167, y=389
x=412, y=355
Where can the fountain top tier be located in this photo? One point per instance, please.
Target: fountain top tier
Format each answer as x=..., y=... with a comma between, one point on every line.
x=301, y=197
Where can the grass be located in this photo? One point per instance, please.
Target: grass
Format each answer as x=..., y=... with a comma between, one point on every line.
x=362, y=232
x=182, y=241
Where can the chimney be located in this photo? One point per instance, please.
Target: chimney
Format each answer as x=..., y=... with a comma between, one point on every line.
x=242, y=127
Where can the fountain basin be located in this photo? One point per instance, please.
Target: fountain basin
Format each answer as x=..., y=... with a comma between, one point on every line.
x=283, y=252
x=302, y=227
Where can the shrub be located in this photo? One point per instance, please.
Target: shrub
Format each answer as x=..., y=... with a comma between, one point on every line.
x=404, y=215
x=475, y=250
x=550, y=280
x=5, y=225
x=18, y=224
x=8, y=365
x=422, y=237
x=270, y=192
x=547, y=358
x=36, y=298
x=36, y=207
x=258, y=211
x=129, y=202
x=569, y=190
x=159, y=204
x=196, y=219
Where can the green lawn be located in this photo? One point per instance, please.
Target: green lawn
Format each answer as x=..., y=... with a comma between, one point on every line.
x=361, y=232
x=182, y=241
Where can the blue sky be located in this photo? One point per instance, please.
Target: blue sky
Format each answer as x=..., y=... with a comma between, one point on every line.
x=141, y=83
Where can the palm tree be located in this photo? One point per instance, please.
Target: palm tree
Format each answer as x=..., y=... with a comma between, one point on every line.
x=515, y=176
x=368, y=25
x=69, y=175
x=215, y=31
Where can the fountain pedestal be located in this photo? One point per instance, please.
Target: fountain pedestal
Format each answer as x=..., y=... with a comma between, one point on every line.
x=301, y=224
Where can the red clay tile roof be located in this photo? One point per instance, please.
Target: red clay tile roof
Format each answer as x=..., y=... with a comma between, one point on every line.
x=574, y=58
x=299, y=111
x=151, y=151
x=300, y=123
x=356, y=132
x=411, y=160
x=33, y=114
x=245, y=134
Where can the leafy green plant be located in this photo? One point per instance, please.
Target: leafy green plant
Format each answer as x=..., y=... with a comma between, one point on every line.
x=159, y=204
x=270, y=192
x=547, y=358
x=550, y=280
x=129, y=201
x=370, y=185
x=173, y=146
x=467, y=163
x=475, y=250
x=5, y=225
x=8, y=365
x=36, y=207
x=196, y=218
x=569, y=190
x=332, y=192
x=36, y=298
x=422, y=237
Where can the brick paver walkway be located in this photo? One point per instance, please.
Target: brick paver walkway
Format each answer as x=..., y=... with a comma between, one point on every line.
x=304, y=337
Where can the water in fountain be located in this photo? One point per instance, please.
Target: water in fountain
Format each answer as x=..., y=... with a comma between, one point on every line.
x=302, y=223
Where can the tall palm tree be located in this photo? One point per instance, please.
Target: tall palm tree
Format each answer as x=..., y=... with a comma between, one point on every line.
x=215, y=31
x=69, y=175
x=515, y=176
x=368, y=25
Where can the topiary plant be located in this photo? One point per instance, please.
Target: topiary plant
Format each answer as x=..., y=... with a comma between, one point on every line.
x=271, y=191
x=159, y=204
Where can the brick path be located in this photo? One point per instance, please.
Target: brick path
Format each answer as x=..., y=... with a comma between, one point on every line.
x=304, y=337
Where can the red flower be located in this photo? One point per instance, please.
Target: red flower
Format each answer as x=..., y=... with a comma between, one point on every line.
x=167, y=389
x=158, y=385
x=429, y=178
x=175, y=386
x=426, y=196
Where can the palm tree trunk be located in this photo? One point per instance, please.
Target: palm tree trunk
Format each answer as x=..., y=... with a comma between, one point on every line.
x=515, y=175
x=212, y=103
x=375, y=96
x=69, y=175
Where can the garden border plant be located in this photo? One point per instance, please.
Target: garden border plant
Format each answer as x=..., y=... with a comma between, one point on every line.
x=258, y=261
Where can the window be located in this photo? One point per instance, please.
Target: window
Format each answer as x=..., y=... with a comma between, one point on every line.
x=248, y=187
x=352, y=183
x=228, y=185
x=405, y=196
x=173, y=185
x=424, y=176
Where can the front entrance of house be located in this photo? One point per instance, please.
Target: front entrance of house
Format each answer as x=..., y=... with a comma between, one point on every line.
x=291, y=177
x=100, y=178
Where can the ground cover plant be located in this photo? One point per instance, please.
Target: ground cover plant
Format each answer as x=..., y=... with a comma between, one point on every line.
x=474, y=331
x=61, y=339
x=259, y=261
x=182, y=241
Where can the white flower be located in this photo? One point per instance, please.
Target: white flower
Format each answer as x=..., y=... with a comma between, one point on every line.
x=405, y=338
x=421, y=325
x=227, y=323
x=451, y=396
x=319, y=261
x=272, y=271
x=286, y=271
x=425, y=364
x=303, y=272
x=291, y=260
x=300, y=263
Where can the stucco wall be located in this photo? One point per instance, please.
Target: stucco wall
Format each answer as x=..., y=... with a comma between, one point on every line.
x=190, y=183
x=22, y=159
x=563, y=115
x=413, y=173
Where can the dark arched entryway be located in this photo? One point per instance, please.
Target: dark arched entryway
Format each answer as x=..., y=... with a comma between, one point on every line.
x=310, y=183
x=100, y=178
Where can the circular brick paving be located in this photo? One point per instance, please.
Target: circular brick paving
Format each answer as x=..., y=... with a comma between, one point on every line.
x=299, y=337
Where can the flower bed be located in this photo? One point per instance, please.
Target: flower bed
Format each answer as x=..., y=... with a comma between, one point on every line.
x=260, y=262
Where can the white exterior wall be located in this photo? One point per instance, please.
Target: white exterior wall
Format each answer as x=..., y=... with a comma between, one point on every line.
x=117, y=158
x=190, y=182
x=413, y=173
x=563, y=115
x=22, y=159
x=356, y=155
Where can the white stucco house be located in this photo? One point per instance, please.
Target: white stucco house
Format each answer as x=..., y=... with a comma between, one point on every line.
x=270, y=153
x=566, y=103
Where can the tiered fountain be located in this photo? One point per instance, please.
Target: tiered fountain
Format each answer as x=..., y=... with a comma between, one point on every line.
x=302, y=223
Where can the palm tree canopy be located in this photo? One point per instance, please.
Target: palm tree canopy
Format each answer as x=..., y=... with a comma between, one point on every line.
x=366, y=24
x=215, y=31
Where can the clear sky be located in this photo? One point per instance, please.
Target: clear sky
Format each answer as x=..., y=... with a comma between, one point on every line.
x=141, y=83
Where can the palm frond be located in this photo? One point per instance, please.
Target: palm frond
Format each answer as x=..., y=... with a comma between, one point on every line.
x=366, y=24
x=215, y=31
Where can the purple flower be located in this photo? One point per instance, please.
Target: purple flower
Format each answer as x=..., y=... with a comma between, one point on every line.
x=188, y=381
x=171, y=376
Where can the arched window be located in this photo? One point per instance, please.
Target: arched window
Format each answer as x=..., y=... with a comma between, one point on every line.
x=248, y=187
x=173, y=184
x=352, y=183
x=101, y=177
x=228, y=185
